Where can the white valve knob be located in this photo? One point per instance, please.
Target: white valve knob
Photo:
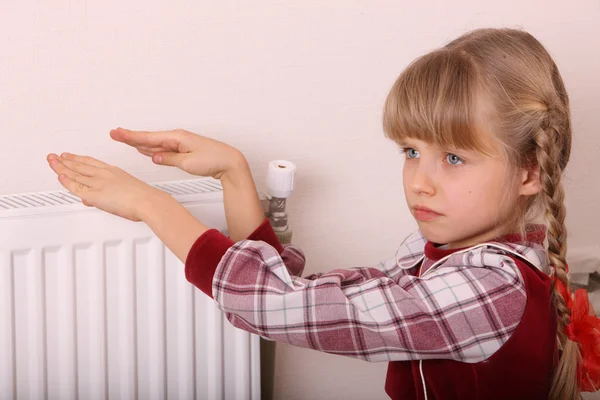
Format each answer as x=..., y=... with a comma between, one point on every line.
x=280, y=178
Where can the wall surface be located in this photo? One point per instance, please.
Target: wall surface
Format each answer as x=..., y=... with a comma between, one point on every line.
x=298, y=80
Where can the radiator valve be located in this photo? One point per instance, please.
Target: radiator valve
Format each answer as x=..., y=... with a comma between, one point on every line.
x=280, y=184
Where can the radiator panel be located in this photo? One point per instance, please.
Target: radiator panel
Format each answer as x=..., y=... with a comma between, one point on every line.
x=95, y=307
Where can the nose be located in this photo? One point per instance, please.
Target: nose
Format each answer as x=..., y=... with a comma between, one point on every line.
x=421, y=181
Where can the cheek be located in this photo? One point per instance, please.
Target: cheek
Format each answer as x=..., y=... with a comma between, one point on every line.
x=406, y=175
x=486, y=200
x=472, y=197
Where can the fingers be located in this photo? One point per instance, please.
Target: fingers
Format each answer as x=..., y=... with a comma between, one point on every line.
x=77, y=188
x=77, y=175
x=80, y=168
x=163, y=140
x=165, y=158
x=152, y=154
x=171, y=159
x=146, y=152
x=84, y=160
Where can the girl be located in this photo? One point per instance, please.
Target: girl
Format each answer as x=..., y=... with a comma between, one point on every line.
x=474, y=305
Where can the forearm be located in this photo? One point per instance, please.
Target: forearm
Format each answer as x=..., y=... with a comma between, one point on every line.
x=243, y=210
x=172, y=223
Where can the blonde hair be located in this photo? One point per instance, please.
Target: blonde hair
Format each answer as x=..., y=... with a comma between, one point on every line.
x=500, y=84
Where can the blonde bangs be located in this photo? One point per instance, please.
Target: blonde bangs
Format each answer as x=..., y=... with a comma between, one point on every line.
x=434, y=100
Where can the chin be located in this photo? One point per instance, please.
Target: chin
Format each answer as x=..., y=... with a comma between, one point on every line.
x=434, y=235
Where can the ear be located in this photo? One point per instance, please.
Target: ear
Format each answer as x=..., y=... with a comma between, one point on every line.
x=530, y=183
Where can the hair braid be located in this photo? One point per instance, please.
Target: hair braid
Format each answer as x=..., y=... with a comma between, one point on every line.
x=551, y=160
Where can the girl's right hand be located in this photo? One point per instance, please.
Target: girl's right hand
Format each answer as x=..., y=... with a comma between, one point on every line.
x=195, y=154
x=199, y=155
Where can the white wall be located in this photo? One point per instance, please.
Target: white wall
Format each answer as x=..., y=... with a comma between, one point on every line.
x=299, y=80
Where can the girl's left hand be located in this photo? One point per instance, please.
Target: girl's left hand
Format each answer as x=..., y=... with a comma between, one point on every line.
x=102, y=185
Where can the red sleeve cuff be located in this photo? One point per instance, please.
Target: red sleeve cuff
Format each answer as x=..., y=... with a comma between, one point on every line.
x=203, y=258
x=266, y=233
x=206, y=253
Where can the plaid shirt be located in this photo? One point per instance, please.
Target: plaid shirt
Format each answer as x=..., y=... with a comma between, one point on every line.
x=464, y=306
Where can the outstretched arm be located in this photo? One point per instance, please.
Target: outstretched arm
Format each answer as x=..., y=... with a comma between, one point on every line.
x=172, y=223
x=178, y=229
x=243, y=210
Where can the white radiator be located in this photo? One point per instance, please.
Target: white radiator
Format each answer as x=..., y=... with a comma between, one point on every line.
x=93, y=306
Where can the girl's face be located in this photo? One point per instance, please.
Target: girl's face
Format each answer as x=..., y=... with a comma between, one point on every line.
x=467, y=192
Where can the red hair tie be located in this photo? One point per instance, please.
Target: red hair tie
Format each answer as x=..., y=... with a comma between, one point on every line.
x=584, y=329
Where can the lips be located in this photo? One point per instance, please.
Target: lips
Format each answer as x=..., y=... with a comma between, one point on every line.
x=425, y=214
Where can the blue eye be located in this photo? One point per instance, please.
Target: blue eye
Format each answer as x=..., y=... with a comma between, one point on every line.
x=453, y=159
x=411, y=153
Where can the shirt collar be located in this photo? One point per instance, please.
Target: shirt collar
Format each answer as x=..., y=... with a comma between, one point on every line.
x=415, y=247
x=534, y=233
